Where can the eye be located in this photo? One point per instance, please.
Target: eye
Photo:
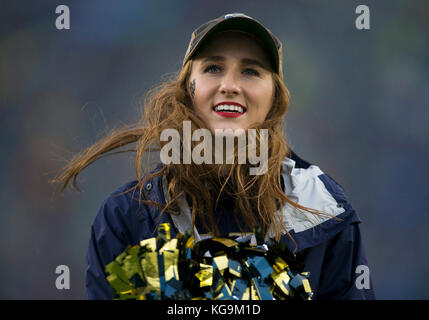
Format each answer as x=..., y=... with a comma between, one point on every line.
x=212, y=68
x=251, y=71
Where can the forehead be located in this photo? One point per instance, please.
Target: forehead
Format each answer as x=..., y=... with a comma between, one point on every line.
x=234, y=44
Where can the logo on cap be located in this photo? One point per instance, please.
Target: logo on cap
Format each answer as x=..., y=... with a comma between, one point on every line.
x=231, y=15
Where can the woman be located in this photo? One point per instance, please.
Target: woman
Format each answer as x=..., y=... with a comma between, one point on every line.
x=231, y=81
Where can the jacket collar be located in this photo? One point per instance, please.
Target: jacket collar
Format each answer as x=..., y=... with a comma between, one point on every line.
x=303, y=183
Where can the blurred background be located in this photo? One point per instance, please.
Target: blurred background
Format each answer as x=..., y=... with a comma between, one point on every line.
x=360, y=111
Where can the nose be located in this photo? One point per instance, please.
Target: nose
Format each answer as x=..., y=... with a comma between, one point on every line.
x=230, y=84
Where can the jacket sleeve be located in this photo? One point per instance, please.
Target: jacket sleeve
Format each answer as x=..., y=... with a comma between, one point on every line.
x=105, y=243
x=345, y=272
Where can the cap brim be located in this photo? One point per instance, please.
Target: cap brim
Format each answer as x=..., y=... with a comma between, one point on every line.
x=246, y=25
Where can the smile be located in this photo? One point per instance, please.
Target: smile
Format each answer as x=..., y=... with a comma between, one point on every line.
x=229, y=109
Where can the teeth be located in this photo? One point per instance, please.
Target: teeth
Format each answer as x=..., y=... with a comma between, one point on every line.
x=225, y=107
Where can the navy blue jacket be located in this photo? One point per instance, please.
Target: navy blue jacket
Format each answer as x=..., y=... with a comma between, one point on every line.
x=332, y=250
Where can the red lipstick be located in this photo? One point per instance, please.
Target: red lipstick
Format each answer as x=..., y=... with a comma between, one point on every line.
x=229, y=109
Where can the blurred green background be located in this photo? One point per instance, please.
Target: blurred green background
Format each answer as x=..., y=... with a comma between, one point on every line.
x=360, y=111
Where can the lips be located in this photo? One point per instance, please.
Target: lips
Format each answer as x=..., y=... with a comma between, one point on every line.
x=229, y=109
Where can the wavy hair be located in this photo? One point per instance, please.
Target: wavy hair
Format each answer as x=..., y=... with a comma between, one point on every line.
x=166, y=106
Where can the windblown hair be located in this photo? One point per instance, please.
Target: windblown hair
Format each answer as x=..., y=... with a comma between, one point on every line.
x=257, y=197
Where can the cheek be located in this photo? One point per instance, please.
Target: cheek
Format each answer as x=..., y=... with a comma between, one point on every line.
x=265, y=100
x=198, y=101
x=202, y=96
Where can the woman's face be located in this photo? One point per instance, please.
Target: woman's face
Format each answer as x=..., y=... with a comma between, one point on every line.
x=231, y=84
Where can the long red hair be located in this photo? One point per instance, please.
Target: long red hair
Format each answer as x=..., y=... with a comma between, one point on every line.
x=257, y=197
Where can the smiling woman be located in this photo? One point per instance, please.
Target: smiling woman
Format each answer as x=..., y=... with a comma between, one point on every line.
x=231, y=79
x=233, y=82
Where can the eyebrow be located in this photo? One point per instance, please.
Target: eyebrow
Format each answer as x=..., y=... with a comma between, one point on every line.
x=246, y=61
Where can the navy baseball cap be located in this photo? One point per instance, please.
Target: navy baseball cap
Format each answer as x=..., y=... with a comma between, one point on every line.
x=238, y=22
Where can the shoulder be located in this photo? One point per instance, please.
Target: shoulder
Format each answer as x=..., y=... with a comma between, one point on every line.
x=304, y=170
x=128, y=196
x=310, y=183
x=116, y=215
x=125, y=215
x=121, y=200
x=306, y=184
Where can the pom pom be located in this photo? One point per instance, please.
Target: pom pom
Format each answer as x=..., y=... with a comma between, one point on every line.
x=218, y=268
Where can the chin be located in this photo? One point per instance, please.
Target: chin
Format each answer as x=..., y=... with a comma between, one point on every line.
x=229, y=126
x=226, y=127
